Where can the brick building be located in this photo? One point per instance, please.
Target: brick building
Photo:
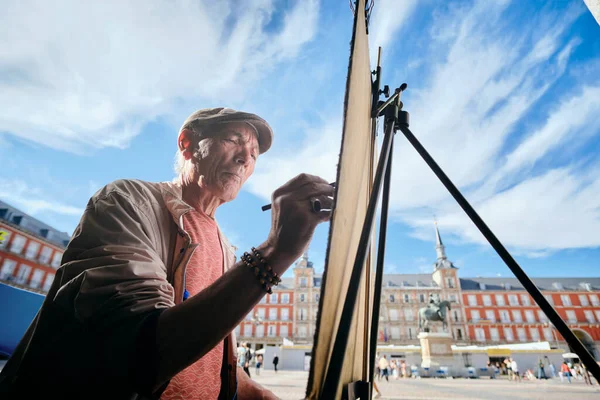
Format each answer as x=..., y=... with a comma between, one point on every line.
x=484, y=311
x=31, y=250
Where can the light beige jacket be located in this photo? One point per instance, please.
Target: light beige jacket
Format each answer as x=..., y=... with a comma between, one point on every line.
x=94, y=336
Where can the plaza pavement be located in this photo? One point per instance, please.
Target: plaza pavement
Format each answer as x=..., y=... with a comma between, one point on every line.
x=290, y=385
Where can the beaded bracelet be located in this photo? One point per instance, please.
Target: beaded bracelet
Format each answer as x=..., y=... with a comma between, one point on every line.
x=262, y=270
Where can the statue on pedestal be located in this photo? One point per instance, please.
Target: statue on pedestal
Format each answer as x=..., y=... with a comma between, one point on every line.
x=436, y=310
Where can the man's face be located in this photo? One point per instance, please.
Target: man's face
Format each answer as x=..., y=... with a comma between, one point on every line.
x=227, y=159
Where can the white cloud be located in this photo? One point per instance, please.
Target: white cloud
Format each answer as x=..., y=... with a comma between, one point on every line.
x=486, y=76
x=32, y=200
x=387, y=19
x=80, y=74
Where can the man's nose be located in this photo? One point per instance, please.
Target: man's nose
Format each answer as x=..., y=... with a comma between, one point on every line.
x=243, y=156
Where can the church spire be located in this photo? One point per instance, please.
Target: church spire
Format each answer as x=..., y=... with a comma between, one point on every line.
x=439, y=246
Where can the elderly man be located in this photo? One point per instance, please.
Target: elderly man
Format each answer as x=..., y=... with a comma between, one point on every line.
x=148, y=294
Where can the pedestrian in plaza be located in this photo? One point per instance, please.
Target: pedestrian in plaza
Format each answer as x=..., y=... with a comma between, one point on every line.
x=509, y=371
x=515, y=370
x=149, y=292
x=383, y=367
x=394, y=368
x=551, y=366
x=403, y=369
x=259, y=360
x=565, y=371
x=586, y=375
x=541, y=373
x=377, y=370
x=275, y=362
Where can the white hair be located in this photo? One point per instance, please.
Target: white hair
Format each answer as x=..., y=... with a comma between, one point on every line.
x=199, y=148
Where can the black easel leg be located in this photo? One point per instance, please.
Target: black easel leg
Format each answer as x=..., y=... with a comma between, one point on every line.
x=550, y=312
x=385, y=201
x=341, y=340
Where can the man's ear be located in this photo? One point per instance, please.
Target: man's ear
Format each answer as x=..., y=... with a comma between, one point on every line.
x=184, y=143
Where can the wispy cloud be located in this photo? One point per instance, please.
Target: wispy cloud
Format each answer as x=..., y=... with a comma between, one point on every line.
x=33, y=200
x=77, y=75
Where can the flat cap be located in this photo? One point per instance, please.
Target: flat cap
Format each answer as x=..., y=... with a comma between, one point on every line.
x=221, y=115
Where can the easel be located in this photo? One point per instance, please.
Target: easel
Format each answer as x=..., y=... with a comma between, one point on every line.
x=397, y=119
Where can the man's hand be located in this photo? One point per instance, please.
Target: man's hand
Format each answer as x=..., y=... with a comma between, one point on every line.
x=248, y=389
x=293, y=220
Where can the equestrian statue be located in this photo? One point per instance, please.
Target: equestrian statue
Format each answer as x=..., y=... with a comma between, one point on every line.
x=436, y=310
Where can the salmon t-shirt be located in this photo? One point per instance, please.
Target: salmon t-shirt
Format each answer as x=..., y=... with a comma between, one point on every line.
x=201, y=380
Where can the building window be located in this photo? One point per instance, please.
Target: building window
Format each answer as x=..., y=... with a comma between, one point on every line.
x=589, y=315
x=8, y=269
x=4, y=243
x=472, y=300
x=263, y=300
x=535, y=334
x=549, y=298
x=521, y=334
x=475, y=315
x=571, y=317
x=391, y=298
x=529, y=316
x=494, y=334
x=17, y=244
x=517, y=317
x=272, y=331
x=36, y=279
x=317, y=297
x=455, y=315
x=23, y=274
x=395, y=332
x=285, y=314
x=45, y=255
x=261, y=313
x=302, y=331
x=285, y=298
x=248, y=330
x=260, y=331
x=450, y=282
x=303, y=282
x=541, y=316
x=597, y=314
x=525, y=300
x=302, y=297
x=249, y=316
x=421, y=298
x=548, y=334
x=566, y=299
x=453, y=298
x=48, y=281
x=487, y=300
x=406, y=298
x=500, y=300
x=490, y=315
x=56, y=259
x=410, y=333
x=594, y=300
x=272, y=314
x=459, y=334
x=508, y=334
x=237, y=330
x=273, y=298
x=393, y=315
x=302, y=314
x=504, y=316
x=583, y=300
x=283, y=331
x=513, y=300
x=32, y=250
x=480, y=334
x=408, y=314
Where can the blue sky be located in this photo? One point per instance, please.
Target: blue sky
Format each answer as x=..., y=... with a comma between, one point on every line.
x=505, y=95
